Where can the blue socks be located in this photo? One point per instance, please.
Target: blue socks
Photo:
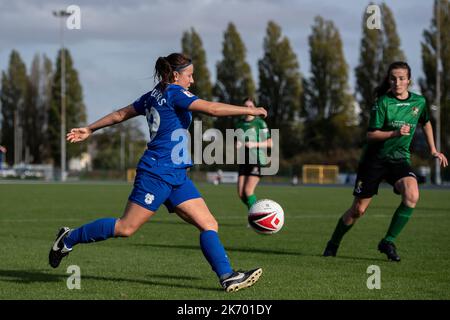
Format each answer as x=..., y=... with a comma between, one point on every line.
x=97, y=230
x=103, y=229
x=215, y=253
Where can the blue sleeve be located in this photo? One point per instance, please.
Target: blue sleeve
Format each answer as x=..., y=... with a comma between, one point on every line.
x=140, y=103
x=182, y=99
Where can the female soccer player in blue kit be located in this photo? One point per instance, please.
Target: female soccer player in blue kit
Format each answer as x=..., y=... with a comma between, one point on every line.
x=161, y=172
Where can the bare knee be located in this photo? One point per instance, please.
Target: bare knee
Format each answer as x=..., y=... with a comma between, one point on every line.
x=356, y=211
x=210, y=225
x=124, y=230
x=410, y=191
x=410, y=198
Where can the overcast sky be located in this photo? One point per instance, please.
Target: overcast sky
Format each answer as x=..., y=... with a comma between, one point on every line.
x=119, y=41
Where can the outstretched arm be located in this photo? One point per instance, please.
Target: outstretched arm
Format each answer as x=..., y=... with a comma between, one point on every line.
x=218, y=109
x=428, y=131
x=80, y=134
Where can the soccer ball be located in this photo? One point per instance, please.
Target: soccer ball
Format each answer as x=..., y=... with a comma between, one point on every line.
x=266, y=217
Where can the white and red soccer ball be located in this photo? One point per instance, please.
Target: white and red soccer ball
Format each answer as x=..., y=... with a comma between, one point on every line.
x=266, y=217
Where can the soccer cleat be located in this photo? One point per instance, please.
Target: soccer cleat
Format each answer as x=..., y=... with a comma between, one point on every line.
x=330, y=250
x=389, y=249
x=240, y=280
x=59, y=249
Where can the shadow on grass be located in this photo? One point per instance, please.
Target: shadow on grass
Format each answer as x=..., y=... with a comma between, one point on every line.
x=419, y=208
x=183, y=223
x=230, y=249
x=38, y=276
x=350, y=258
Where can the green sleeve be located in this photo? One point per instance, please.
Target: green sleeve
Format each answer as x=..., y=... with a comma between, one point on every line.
x=264, y=130
x=377, y=115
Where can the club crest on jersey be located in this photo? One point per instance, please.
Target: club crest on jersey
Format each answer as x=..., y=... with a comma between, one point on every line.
x=190, y=95
x=415, y=111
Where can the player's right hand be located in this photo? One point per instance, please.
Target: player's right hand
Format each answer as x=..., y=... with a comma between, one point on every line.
x=260, y=112
x=78, y=134
x=404, y=130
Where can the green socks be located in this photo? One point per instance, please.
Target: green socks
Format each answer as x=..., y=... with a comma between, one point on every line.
x=399, y=220
x=338, y=234
x=250, y=200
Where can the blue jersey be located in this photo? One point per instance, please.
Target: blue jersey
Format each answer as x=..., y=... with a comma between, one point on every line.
x=168, y=120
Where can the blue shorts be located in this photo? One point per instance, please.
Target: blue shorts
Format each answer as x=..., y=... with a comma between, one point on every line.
x=150, y=191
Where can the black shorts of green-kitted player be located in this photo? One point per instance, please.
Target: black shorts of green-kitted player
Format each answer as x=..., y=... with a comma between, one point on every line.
x=250, y=170
x=372, y=173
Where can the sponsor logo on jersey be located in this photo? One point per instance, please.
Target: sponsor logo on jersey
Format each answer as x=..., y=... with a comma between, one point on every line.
x=190, y=95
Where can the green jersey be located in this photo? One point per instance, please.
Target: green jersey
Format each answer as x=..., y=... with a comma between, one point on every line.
x=255, y=130
x=389, y=114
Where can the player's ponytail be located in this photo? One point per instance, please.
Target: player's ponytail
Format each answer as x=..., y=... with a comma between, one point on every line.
x=163, y=72
x=166, y=66
x=385, y=86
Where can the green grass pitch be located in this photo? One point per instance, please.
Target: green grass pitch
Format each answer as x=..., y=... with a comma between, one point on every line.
x=163, y=259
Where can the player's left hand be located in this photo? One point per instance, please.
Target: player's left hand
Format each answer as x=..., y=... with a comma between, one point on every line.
x=442, y=158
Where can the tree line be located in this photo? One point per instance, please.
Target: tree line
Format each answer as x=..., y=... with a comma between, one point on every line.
x=321, y=119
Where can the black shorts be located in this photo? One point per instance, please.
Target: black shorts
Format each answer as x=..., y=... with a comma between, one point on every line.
x=372, y=173
x=250, y=170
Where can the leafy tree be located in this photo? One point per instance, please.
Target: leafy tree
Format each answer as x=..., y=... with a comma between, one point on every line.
x=329, y=107
x=378, y=49
x=280, y=87
x=234, y=77
x=75, y=108
x=12, y=98
x=37, y=108
x=192, y=46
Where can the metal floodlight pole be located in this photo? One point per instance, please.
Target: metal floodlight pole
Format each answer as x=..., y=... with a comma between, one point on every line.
x=437, y=179
x=62, y=14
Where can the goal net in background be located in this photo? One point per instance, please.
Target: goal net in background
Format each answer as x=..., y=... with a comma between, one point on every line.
x=320, y=174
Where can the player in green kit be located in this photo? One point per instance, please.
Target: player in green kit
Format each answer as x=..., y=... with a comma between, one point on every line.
x=386, y=155
x=256, y=140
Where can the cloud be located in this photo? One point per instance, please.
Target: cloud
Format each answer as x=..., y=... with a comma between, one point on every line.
x=119, y=40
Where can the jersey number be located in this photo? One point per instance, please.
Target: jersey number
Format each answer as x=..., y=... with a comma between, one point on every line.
x=153, y=120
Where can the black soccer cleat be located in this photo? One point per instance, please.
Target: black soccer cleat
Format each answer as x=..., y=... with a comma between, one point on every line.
x=330, y=250
x=58, y=249
x=389, y=249
x=240, y=280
